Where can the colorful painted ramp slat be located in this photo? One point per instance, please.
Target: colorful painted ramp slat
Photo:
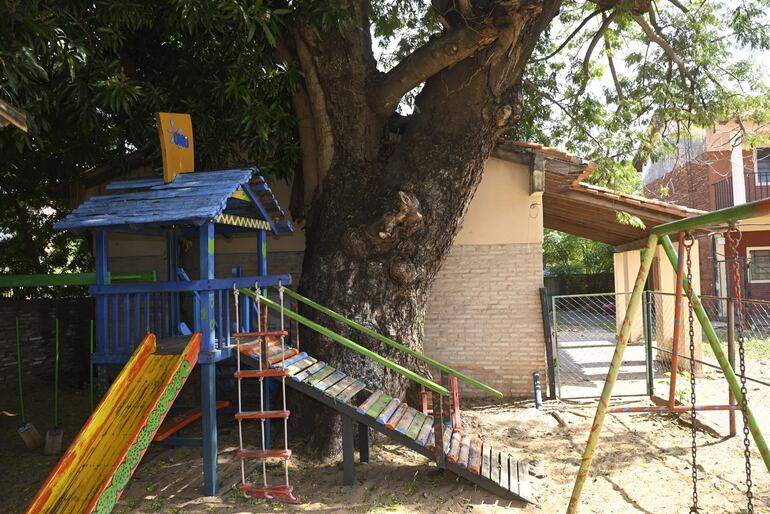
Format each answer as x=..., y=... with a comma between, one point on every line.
x=340, y=386
x=329, y=381
x=406, y=420
x=426, y=431
x=301, y=365
x=319, y=375
x=396, y=417
x=314, y=368
x=95, y=469
x=369, y=402
x=388, y=411
x=351, y=392
x=474, y=458
x=416, y=425
x=380, y=404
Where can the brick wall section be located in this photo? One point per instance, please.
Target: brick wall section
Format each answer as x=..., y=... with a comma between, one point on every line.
x=37, y=328
x=690, y=185
x=484, y=316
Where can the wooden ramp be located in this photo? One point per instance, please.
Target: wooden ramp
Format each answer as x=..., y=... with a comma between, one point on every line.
x=93, y=472
x=466, y=454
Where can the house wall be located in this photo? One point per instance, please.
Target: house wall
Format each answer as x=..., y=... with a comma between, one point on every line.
x=483, y=316
x=752, y=239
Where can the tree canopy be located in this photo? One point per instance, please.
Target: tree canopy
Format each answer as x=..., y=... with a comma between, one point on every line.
x=90, y=75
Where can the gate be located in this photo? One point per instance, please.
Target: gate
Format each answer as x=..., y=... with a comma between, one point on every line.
x=584, y=330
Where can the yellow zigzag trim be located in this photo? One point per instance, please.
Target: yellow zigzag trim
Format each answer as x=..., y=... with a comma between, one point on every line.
x=240, y=221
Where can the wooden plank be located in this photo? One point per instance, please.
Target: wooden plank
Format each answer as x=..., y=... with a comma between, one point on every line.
x=369, y=402
x=423, y=436
x=300, y=365
x=474, y=457
x=465, y=450
x=431, y=443
x=329, y=381
x=302, y=375
x=340, y=386
x=319, y=375
x=454, y=448
x=377, y=407
x=406, y=420
x=522, y=471
x=388, y=411
x=416, y=425
x=505, y=481
x=486, y=460
x=447, y=439
x=396, y=417
x=495, y=466
x=291, y=360
x=349, y=392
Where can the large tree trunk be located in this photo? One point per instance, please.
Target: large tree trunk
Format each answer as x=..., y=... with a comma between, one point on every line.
x=386, y=194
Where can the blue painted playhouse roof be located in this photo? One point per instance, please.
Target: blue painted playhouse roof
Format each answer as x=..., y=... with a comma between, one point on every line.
x=192, y=198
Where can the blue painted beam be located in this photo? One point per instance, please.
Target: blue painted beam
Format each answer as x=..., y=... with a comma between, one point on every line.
x=261, y=208
x=193, y=285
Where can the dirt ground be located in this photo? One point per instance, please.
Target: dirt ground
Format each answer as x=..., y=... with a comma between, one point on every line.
x=642, y=466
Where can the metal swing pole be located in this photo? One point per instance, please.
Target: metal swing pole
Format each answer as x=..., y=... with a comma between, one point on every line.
x=724, y=364
x=620, y=348
x=677, y=323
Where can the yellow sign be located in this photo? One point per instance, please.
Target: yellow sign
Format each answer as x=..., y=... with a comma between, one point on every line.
x=176, y=144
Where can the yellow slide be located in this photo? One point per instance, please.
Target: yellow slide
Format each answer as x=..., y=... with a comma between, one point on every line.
x=93, y=472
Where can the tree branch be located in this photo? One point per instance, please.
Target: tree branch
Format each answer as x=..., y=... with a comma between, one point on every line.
x=569, y=38
x=425, y=62
x=587, y=59
x=613, y=72
x=656, y=38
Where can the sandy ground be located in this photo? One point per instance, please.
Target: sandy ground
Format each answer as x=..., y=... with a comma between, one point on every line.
x=642, y=466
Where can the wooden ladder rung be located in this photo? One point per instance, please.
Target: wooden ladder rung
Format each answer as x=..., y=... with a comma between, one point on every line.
x=264, y=454
x=265, y=414
x=272, y=372
x=282, y=493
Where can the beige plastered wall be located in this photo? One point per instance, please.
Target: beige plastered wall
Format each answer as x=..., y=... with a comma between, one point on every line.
x=664, y=276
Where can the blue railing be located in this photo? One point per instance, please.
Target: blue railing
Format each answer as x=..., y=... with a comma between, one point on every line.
x=126, y=312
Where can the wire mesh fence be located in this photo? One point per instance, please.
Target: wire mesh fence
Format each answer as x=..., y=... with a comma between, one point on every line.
x=585, y=328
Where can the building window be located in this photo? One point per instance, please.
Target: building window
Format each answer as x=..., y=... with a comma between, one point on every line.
x=759, y=264
x=763, y=165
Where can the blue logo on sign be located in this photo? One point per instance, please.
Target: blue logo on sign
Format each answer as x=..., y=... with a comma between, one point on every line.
x=179, y=139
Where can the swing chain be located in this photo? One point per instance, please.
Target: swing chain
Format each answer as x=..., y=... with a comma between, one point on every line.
x=688, y=243
x=734, y=237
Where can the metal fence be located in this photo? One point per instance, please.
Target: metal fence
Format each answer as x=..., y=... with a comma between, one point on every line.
x=584, y=328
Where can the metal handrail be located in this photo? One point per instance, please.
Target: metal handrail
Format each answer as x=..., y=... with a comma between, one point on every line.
x=390, y=342
x=344, y=341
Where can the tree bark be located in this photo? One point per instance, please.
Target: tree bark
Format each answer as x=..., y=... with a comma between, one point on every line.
x=385, y=213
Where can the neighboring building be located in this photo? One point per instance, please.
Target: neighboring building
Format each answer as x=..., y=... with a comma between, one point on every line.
x=487, y=294
x=713, y=170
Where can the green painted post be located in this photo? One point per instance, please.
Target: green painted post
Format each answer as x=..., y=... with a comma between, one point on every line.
x=56, y=377
x=18, y=367
x=612, y=375
x=727, y=369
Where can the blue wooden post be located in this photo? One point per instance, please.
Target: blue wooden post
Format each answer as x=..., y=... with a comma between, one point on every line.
x=102, y=329
x=172, y=261
x=208, y=370
x=262, y=272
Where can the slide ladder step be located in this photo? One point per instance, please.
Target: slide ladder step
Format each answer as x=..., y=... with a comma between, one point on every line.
x=263, y=414
x=281, y=493
x=264, y=454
